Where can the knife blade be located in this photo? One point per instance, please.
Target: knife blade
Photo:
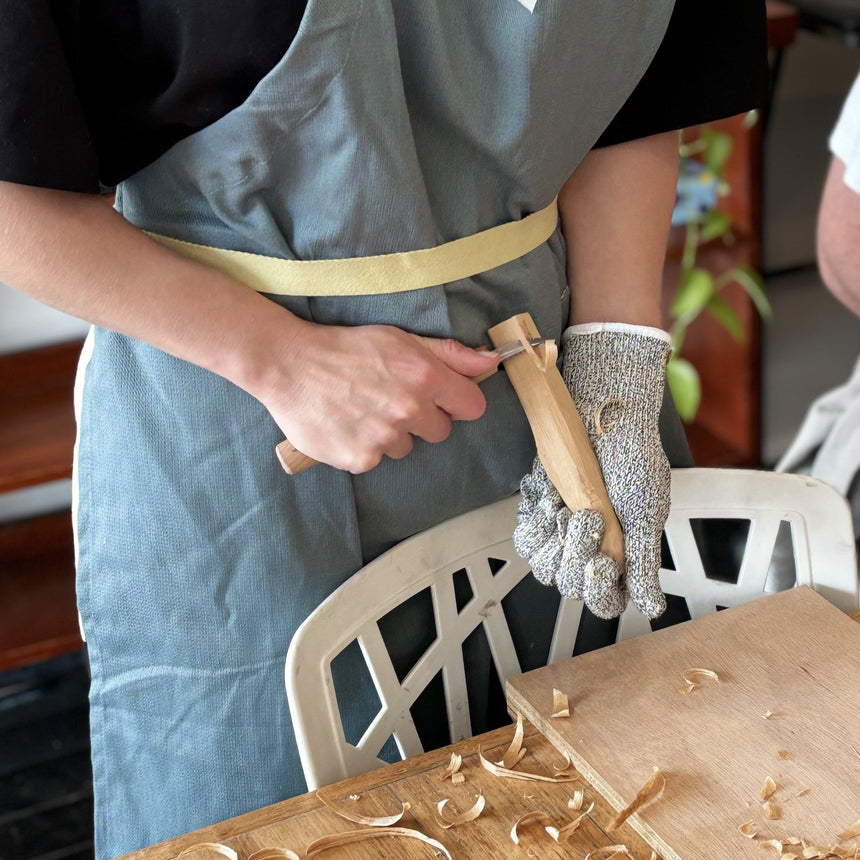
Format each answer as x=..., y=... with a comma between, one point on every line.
x=513, y=347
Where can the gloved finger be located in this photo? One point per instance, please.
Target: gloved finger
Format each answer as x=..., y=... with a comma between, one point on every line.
x=546, y=560
x=604, y=591
x=581, y=542
x=643, y=575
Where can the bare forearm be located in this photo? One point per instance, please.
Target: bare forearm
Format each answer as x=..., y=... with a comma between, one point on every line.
x=344, y=395
x=616, y=211
x=838, y=248
x=75, y=253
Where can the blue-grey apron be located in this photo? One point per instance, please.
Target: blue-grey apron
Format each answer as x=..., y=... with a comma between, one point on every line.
x=387, y=126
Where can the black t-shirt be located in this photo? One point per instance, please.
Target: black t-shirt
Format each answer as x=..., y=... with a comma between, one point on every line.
x=93, y=90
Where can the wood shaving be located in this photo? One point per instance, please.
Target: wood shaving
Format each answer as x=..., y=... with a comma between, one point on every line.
x=354, y=796
x=457, y=778
x=576, y=800
x=500, y=770
x=767, y=789
x=351, y=836
x=469, y=815
x=771, y=811
x=514, y=753
x=694, y=678
x=560, y=705
x=367, y=820
x=563, y=767
x=783, y=754
x=609, y=852
x=776, y=844
x=851, y=832
x=453, y=767
x=646, y=795
x=767, y=715
x=748, y=830
x=274, y=854
x=523, y=820
x=561, y=836
x=214, y=848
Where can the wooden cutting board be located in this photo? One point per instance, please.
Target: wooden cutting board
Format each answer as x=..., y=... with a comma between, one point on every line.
x=787, y=706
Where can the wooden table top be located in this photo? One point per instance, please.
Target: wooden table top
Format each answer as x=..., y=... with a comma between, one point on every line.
x=296, y=823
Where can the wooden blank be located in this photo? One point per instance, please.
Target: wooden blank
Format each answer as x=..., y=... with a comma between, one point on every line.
x=560, y=436
x=791, y=654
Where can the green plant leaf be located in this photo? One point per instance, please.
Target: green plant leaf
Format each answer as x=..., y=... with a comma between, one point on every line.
x=715, y=224
x=752, y=282
x=685, y=386
x=693, y=293
x=718, y=148
x=722, y=311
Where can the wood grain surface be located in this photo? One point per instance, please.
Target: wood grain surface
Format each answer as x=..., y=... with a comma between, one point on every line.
x=786, y=706
x=295, y=823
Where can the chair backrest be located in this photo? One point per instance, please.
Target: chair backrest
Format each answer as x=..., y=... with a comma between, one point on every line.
x=823, y=547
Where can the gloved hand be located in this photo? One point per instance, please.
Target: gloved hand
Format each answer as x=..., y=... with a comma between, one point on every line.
x=615, y=374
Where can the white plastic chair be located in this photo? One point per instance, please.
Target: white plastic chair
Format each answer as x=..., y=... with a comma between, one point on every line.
x=824, y=557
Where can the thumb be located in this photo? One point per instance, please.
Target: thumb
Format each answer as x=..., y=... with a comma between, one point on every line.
x=460, y=358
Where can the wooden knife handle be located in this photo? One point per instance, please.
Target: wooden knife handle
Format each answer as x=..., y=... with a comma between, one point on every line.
x=292, y=459
x=560, y=436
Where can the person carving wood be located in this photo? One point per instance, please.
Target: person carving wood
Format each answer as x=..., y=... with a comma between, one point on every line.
x=324, y=132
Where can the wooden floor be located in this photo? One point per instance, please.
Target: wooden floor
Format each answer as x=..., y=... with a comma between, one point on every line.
x=46, y=801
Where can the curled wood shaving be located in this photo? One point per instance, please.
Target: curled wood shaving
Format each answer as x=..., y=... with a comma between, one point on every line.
x=274, y=854
x=851, y=832
x=523, y=820
x=646, y=795
x=469, y=815
x=514, y=753
x=561, y=836
x=748, y=830
x=694, y=678
x=771, y=811
x=559, y=768
x=213, y=847
x=453, y=767
x=368, y=820
x=560, y=705
x=767, y=789
x=609, y=852
x=776, y=844
x=350, y=836
x=500, y=770
x=576, y=800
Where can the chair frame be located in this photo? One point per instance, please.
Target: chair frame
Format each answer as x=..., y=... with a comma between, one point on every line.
x=825, y=558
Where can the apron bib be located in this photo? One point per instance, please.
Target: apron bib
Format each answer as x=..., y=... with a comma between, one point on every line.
x=386, y=127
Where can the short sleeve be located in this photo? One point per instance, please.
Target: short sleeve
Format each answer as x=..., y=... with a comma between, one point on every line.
x=712, y=63
x=44, y=139
x=845, y=138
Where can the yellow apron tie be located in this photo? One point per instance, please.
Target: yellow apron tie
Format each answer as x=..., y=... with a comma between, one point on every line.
x=384, y=273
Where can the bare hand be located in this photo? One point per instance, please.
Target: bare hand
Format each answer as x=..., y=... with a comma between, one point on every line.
x=348, y=396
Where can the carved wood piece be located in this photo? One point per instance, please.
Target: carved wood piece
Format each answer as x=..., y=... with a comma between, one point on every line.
x=561, y=438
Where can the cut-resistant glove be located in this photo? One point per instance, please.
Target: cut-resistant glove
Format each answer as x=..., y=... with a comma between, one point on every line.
x=615, y=374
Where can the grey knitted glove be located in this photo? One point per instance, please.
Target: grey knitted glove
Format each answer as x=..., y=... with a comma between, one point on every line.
x=615, y=374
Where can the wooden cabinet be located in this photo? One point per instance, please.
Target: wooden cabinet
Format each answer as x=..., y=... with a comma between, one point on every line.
x=38, y=615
